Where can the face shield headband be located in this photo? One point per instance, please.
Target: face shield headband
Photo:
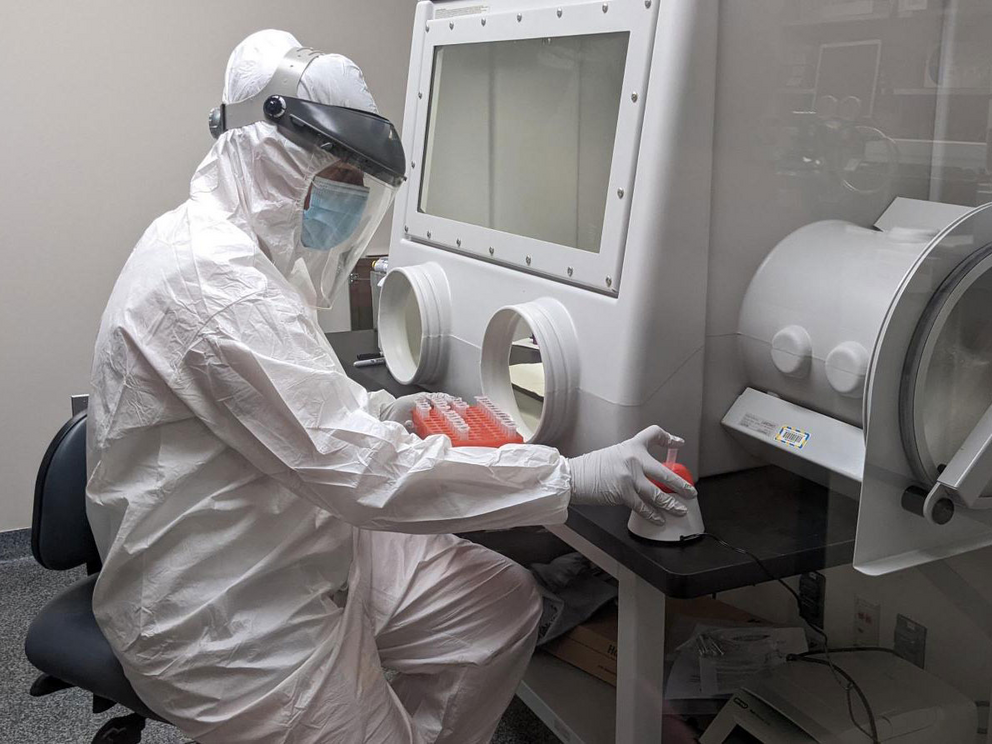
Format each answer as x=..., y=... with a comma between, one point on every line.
x=350, y=197
x=362, y=139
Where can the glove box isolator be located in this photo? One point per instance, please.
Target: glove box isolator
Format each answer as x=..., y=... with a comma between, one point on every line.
x=869, y=366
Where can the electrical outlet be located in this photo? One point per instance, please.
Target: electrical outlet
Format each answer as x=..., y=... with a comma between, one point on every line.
x=812, y=597
x=867, y=617
x=910, y=640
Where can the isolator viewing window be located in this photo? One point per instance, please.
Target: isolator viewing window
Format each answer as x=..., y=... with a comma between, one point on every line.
x=521, y=135
x=949, y=368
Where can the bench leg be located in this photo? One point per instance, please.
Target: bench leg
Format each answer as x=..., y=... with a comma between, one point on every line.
x=640, y=661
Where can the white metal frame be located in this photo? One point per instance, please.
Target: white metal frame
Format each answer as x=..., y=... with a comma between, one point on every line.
x=599, y=271
x=640, y=662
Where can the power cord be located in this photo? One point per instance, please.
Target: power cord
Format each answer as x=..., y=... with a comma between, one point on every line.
x=848, y=682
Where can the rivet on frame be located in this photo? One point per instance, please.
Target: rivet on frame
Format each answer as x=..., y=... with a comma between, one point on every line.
x=428, y=234
x=520, y=17
x=492, y=251
x=451, y=25
x=609, y=281
x=528, y=260
x=458, y=242
x=559, y=12
x=633, y=96
x=483, y=21
x=570, y=271
x=620, y=193
x=606, y=8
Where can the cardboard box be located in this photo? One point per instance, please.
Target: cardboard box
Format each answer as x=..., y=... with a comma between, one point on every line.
x=592, y=646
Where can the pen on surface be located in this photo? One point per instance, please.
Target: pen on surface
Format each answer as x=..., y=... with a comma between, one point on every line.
x=375, y=362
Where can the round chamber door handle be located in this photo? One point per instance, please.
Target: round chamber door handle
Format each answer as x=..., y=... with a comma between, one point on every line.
x=847, y=368
x=792, y=351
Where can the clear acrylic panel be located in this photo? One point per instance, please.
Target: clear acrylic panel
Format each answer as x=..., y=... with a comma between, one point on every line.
x=830, y=109
x=521, y=135
x=956, y=370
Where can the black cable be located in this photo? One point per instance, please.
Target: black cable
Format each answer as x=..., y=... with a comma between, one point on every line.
x=806, y=657
x=852, y=685
x=853, y=650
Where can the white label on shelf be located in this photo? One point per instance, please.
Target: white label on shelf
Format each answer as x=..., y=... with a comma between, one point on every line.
x=758, y=424
x=457, y=12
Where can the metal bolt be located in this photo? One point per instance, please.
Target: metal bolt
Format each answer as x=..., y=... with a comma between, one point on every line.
x=428, y=234
x=609, y=281
x=458, y=242
x=528, y=260
x=606, y=8
x=520, y=17
x=620, y=193
x=492, y=251
x=633, y=96
x=559, y=12
x=406, y=229
x=647, y=3
x=451, y=25
x=421, y=95
x=483, y=21
x=413, y=165
x=570, y=271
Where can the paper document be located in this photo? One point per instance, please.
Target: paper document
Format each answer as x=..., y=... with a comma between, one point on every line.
x=715, y=661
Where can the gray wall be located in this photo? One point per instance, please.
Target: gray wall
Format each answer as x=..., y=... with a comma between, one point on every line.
x=104, y=123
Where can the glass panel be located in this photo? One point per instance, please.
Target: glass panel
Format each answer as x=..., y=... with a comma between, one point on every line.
x=520, y=135
x=958, y=378
x=830, y=109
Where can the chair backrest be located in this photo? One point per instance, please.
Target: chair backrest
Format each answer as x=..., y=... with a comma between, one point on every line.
x=60, y=532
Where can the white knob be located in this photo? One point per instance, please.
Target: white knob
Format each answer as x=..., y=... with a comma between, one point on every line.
x=847, y=367
x=792, y=351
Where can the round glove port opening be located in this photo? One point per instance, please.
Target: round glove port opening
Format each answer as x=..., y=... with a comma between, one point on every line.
x=529, y=366
x=413, y=322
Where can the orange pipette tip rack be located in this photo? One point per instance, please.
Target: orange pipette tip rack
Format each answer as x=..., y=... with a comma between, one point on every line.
x=480, y=425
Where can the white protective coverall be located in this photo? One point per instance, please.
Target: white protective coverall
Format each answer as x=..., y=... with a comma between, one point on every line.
x=239, y=480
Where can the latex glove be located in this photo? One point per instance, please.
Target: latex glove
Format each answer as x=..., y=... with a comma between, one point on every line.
x=401, y=409
x=618, y=476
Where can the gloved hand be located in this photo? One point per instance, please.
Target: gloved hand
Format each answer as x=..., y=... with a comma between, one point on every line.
x=401, y=409
x=618, y=476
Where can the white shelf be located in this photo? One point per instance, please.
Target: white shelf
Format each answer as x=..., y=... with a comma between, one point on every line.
x=576, y=706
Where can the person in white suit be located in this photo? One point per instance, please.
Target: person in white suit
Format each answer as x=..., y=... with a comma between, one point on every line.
x=272, y=536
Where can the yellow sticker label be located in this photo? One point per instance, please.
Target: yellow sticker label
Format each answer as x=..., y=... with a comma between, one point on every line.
x=792, y=437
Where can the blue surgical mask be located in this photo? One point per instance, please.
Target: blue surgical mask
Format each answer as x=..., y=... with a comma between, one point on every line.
x=334, y=213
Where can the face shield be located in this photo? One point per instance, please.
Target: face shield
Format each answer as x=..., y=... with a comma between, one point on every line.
x=340, y=216
x=350, y=195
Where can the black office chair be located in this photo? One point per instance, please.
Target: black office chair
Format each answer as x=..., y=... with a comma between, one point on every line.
x=64, y=641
